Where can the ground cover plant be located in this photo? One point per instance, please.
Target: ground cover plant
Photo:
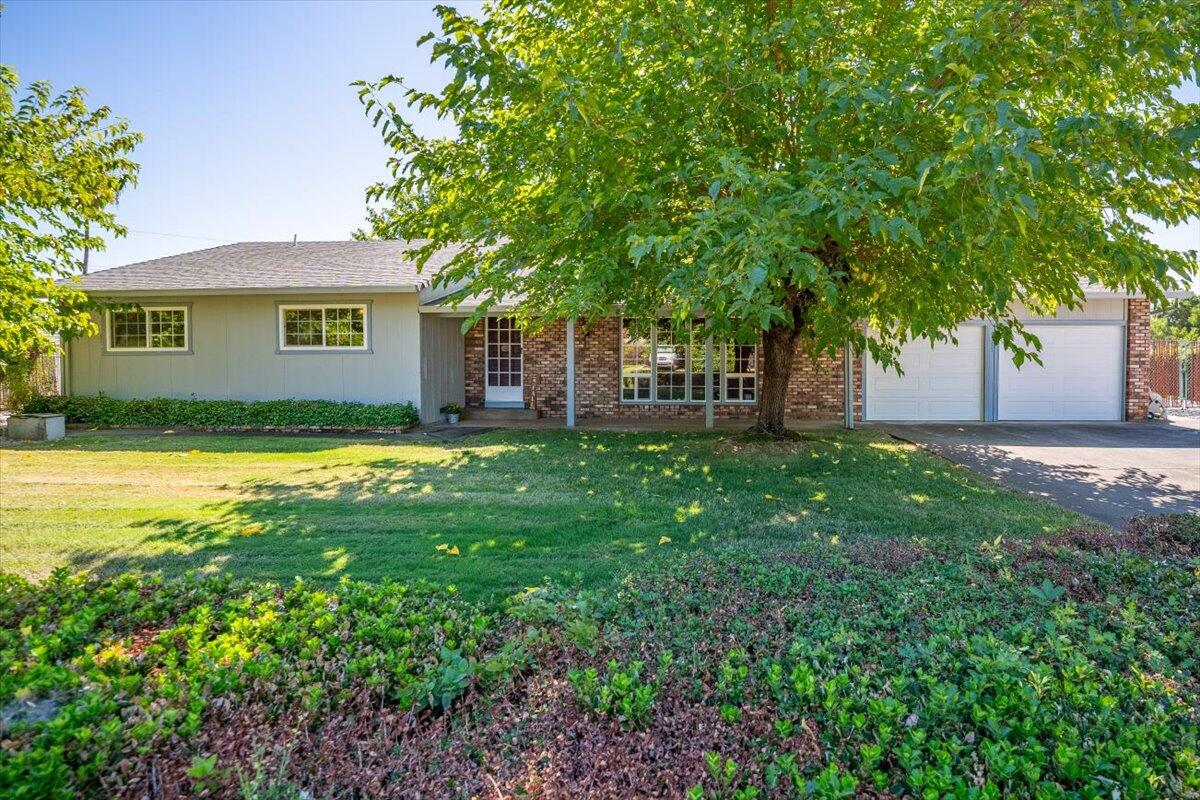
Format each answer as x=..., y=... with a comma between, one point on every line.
x=491, y=514
x=1053, y=665
x=192, y=413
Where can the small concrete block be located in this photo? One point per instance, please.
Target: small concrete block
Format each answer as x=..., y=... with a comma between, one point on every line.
x=37, y=427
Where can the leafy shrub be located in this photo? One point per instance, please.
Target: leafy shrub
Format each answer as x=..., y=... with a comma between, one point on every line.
x=806, y=676
x=621, y=693
x=129, y=663
x=171, y=412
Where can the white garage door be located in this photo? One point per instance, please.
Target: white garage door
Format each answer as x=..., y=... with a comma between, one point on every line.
x=941, y=381
x=1080, y=379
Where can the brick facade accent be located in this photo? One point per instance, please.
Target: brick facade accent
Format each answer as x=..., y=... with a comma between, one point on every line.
x=815, y=390
x=1137, y=358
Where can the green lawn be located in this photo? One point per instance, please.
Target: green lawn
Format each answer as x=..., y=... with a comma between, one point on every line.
x=519, y=506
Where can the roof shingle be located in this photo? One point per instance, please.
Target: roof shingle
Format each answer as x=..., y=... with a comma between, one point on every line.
x=377, y=265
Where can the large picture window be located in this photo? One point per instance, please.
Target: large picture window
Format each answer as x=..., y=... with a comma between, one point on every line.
x=660, y=366
x=150, y=328
x=321, y=327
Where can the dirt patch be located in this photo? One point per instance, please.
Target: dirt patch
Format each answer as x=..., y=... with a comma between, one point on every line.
x=535, y=740
x=1168, y=536
x=885, y=554
x=1162, y=537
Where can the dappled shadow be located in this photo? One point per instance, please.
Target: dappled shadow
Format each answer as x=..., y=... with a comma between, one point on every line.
x=506, y=510
x=1109, y=493
x=1053, y=435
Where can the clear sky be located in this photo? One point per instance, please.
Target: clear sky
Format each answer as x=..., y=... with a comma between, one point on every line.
x=252, y=130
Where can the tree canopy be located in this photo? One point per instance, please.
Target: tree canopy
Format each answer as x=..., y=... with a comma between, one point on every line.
x=793, y=169
x=1177, y=319
x=62, y=166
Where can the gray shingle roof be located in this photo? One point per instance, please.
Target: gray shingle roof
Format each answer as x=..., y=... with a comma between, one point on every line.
x=274, y=265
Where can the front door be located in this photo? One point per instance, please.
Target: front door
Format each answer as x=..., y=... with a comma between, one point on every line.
x=504, y=364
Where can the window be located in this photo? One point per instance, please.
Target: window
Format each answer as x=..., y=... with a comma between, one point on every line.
x=670, y=365
x=658, y=367
x=148, y=328
x=739, y=368
x=635, y=361
x=323, y=327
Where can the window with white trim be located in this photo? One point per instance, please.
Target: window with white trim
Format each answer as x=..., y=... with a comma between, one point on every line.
x=660, y=366
x=636, y=376
x=149, y=328
x=323, y=327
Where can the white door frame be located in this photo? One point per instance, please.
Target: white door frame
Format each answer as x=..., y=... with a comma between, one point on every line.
x=503, y=364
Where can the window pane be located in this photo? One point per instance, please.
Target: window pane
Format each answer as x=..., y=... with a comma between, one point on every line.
x=128, y=329
x=670, y=364
x=696, y=377
x=343, y=327
x=325, y=327
x=302, y=327
x=740, y=365
x=635, y=361
x=168, y=328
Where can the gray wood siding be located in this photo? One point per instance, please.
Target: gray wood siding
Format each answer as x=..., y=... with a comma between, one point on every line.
x=441, y=365
x=234, y=356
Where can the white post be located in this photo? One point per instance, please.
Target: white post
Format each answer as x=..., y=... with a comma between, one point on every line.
x=571, y=372
x=848, y=383
x=708, y=383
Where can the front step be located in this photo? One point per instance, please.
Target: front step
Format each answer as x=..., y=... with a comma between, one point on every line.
x=501, y=414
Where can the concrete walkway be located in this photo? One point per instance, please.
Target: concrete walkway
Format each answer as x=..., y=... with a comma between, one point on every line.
x=1107, y=471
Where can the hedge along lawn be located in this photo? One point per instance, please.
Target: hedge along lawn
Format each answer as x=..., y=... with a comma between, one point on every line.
x=491, y=514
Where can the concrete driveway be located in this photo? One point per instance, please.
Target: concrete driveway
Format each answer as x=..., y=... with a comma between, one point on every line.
x=1108, y=471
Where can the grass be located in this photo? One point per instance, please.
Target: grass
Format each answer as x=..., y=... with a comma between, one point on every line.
x=519, y=507
x=838, y=616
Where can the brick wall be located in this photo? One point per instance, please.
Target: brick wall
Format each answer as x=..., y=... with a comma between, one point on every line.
x=815, y=390
x=1137, y=359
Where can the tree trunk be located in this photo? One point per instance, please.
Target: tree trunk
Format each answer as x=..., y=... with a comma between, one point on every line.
x=779, y=349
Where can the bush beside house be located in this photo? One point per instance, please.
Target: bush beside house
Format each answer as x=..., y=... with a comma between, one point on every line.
x=191, y=413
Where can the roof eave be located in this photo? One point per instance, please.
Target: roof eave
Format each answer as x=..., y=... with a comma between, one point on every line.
x=403, y=288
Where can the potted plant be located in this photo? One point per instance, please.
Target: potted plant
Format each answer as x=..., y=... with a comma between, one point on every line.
x=451, y=410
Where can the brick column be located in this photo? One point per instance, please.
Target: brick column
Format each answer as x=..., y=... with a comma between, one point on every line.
x=1137, y=358
x=473, y=357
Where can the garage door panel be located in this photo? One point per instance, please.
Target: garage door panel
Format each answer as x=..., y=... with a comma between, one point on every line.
x=940, y=382
x=953, y=410
x=946, y=385
x=1079, y=379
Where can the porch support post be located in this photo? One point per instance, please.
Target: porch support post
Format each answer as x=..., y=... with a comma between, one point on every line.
x=848, y=383
x=708, y=383
x=571, y=372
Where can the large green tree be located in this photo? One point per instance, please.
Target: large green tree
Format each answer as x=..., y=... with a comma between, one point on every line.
x=1178, y=319
x=62, y=166
x=792, y=169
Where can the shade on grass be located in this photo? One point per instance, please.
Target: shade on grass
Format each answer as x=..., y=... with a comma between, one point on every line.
x=491, y=514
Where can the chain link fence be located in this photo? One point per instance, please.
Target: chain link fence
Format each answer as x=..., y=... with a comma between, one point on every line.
x=46, y=379
x=1175, y=372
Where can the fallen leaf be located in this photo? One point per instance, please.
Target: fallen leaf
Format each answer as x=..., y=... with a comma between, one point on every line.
x=453, y=550
x=664, y=540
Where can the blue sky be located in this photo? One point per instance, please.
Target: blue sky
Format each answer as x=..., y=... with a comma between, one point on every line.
x=252, y=131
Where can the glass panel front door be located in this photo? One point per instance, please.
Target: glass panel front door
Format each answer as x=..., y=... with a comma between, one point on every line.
x=503, y=364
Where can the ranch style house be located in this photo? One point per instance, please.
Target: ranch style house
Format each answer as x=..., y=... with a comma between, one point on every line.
x=355, y=321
